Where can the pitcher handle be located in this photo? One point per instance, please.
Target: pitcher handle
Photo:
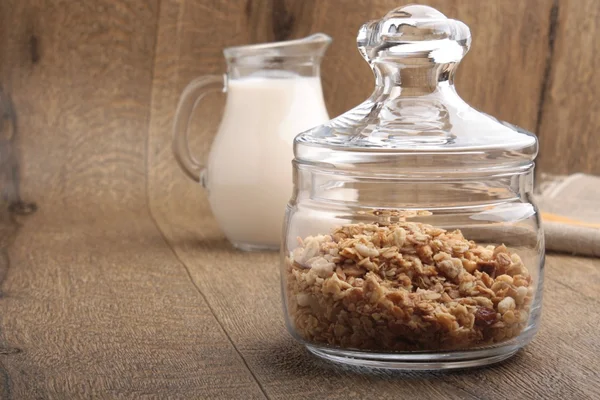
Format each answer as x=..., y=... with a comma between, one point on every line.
x=189, y=100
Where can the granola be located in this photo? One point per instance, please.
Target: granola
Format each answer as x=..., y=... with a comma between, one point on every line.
x=405, y=286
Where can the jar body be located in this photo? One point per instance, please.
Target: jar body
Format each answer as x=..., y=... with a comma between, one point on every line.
x=412, y=271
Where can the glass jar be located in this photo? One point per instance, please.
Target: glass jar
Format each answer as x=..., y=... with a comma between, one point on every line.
x=411, y=239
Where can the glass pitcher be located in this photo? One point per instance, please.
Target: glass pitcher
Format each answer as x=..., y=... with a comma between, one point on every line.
x=274, y=93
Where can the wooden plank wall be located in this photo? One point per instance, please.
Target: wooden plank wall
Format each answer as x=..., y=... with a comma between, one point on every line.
x=532, y=63
x=570, y=114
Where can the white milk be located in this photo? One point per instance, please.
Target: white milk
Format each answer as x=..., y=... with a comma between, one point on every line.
x=249, y=168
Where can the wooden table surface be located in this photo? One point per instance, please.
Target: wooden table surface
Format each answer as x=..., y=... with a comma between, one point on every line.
x=120, y=285
x=140, y=303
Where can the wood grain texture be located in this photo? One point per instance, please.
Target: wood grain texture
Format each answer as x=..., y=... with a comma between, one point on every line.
x=79, y=74
x=93, y=303
x=505, y=86
x=102, y=309
x=243, y=289
x=569, y=140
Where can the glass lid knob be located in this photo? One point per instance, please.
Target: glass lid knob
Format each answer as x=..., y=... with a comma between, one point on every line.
x=414, y=31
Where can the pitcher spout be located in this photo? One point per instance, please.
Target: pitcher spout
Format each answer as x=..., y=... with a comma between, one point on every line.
x=315, y=44
x=308, y=49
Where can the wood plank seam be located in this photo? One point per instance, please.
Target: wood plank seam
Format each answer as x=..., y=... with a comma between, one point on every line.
x=162, y=233
x=549, y=60
x=154, y=221
x=162, y=8
x=164, y=237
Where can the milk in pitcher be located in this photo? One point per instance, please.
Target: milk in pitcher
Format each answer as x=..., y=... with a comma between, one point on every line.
x=249, y=176
x=273, y=94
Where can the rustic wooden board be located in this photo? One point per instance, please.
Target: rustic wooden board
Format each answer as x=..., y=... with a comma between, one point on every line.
x=569, y=139
x=102, y=309
x=93, y=302
x=79, y=74
x=502, y=75
x=243, y=291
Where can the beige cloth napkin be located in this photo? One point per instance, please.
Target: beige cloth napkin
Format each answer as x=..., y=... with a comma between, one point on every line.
x=570, y=209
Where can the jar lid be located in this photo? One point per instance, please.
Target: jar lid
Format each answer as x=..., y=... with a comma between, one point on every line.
x=415, y=122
